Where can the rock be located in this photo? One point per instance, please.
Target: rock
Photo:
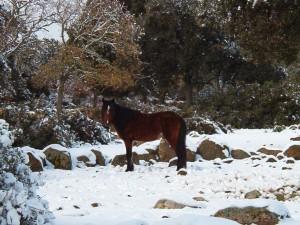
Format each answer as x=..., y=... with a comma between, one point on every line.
x=95, y=204
x=239, y=154
x=209, y=150
x=295, y=139
x=100, y=160
x=290, y=161
x=293, y=151
x=190, y=155
x=120, y=160
x=280, y=197
x=271, y=159
x=35, y=164
x=169, y=204
x=59, y=158
x=173, y=162
x=227, y=161
x=182, y=172
x=150, y=156
x=83, y=158
x=249, y=215
x=269, y=152
x=280, y=156
x=252, y=194
x=255, y=158
x=166, y=153
x=199, y=199
x=286, y=168
x=205, y=126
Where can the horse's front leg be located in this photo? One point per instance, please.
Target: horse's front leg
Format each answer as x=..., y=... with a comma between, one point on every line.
x=128, y=144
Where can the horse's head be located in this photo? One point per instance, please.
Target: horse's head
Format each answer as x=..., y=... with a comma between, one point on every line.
x=108, y=111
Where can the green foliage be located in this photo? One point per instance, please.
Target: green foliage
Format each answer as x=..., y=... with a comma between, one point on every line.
x=267, y=31
x=255, y=105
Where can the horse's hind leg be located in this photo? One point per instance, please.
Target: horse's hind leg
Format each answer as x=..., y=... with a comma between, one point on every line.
x=128, y=144
x=177, y=142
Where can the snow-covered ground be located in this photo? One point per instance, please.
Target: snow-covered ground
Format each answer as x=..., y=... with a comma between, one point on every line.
x=109, y=196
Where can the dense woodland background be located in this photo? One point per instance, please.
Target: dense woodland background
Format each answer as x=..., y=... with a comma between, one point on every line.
x=236, y=62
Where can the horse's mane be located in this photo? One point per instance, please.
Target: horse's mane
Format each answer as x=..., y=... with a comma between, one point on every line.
x=124, y=114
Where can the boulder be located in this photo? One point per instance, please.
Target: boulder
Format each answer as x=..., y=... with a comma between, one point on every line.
x=100, y=160
x=59, y=158
x=252, y=194
x=280, y=156
x=209, y=150
x=199, y=199
x=173, y=162
x=85, y=160
x=290, y=161
x=190, y=155
x=35, y=163
x=269, y=152
x=169, y=204
x=239, y=154
x=271, y=159
x=150, y=156
x=249, y=215
x=120, y=160
x=166, y=152
x=295, y=139
x=205, y=126
x=293, y=151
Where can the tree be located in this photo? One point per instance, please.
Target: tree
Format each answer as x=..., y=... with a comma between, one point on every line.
x=19, y=23
x=108, y=35
x=176, y=45
x=64, y=66
x=100, y=54
x=267, y=31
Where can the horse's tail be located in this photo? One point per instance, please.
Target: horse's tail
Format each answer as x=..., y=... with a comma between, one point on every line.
x=181, y=147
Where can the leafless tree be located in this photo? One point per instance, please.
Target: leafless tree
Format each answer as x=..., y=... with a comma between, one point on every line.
x=20, y=21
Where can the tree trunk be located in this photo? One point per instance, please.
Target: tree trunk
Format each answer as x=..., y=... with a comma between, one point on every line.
x=60, y=96
x=188, y=90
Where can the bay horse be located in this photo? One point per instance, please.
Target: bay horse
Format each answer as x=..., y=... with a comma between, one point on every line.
x=132, y=125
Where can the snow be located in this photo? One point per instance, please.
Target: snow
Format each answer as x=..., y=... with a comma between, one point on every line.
x=132, y=195
x=18, y=192
x=6, y=138
x=53, y=32
x=128, y=198
x=249, y=140
x=38, y=154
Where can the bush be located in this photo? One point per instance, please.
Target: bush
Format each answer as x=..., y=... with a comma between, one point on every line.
x=19, y=203
x=254, y=105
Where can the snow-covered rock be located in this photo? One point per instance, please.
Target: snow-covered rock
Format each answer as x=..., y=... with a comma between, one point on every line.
x=58, y=156
x=209, y=150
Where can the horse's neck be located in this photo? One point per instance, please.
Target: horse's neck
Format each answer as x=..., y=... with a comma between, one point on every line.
x=123, y=117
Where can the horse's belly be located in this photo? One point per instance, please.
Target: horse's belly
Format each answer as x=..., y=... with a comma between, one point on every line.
x=148, y=137
x=147, y=134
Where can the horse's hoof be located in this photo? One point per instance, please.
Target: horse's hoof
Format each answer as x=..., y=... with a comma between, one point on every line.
x=130, y=169
x=182, y=172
